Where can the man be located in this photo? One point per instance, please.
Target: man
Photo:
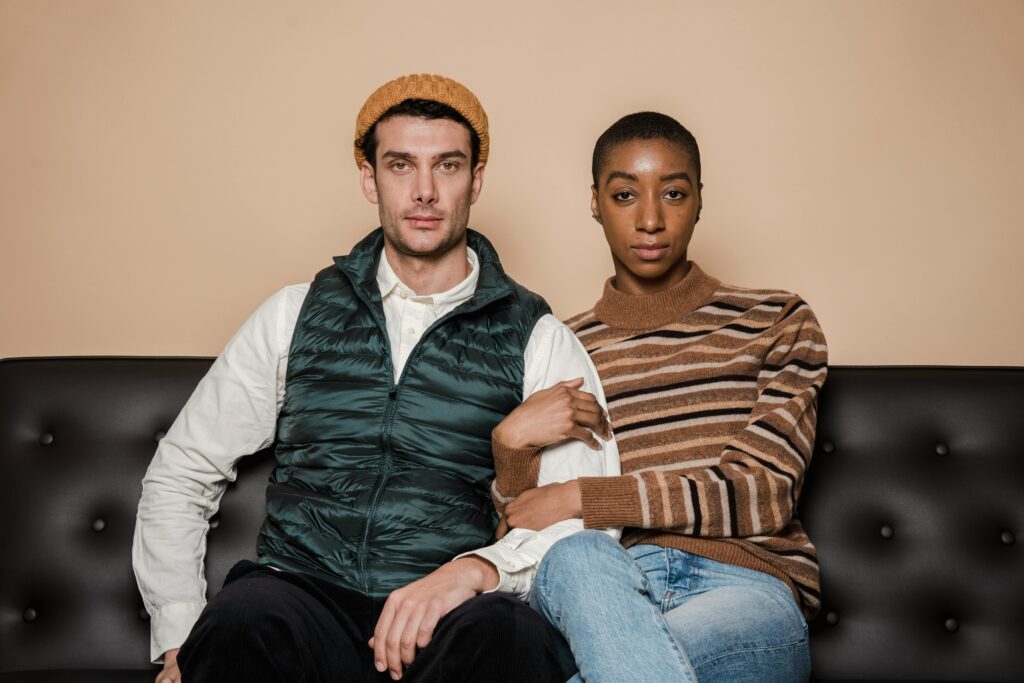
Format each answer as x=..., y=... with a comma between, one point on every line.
x=379, y=383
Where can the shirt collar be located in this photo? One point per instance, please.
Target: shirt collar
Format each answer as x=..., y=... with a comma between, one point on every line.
x=388, y=283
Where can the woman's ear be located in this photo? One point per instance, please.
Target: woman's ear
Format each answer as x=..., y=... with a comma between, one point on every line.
x=595, y=211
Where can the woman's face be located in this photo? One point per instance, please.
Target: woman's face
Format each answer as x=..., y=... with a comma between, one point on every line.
x=648, y=200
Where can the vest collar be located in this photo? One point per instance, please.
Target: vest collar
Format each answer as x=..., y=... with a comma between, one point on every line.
x=360, y=266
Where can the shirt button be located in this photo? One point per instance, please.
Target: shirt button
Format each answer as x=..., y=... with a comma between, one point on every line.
x=411, y=332
x=403, y=294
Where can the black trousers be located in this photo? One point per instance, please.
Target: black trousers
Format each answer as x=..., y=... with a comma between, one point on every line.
x=267, y=625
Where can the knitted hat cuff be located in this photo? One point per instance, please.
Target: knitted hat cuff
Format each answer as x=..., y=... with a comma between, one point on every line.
x=422, y=87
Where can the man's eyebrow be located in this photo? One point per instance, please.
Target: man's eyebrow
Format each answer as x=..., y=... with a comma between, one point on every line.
x=681, y=175
x=408, y=156
x=454, y=154
x=620, y=174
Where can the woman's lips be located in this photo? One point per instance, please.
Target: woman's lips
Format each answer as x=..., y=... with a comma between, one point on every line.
x=650, y=252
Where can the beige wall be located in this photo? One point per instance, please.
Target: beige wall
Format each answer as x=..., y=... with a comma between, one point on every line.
x=166, y=165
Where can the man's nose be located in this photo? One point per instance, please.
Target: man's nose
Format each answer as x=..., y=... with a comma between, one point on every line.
x=426, y=188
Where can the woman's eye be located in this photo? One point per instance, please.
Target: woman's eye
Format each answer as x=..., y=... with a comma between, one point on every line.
x=675, y=195
x=622, y=196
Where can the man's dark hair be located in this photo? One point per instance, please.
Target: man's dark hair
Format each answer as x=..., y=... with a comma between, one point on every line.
x=644, y=125
x=425, y=109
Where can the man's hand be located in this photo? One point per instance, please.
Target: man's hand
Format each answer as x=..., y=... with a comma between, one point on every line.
x=541, y=507
x=411, y=613
x=170, y=672
x=560, y=412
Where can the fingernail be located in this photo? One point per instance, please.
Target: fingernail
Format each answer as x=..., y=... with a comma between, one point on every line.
x=380, y=666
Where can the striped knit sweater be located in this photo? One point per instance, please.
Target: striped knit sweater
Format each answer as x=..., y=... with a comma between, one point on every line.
x=712, y=395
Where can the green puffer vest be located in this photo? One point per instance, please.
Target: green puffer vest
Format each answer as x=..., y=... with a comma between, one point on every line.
x=378, y=483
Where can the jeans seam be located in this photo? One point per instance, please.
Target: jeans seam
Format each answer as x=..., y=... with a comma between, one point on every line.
x=683, y=658
x=802, y=640
x=540, y=585
x=766, y=648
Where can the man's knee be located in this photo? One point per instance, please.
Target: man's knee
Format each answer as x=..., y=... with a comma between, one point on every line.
x=495, y=622
x=490, y=617
x=500, y=638
x=249, y=611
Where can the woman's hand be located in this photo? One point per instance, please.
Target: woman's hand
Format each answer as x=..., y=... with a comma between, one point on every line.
x=541, y=507
x=557, y=413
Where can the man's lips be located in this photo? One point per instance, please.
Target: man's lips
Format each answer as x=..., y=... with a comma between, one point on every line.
x=423, y=220
x=650, y=252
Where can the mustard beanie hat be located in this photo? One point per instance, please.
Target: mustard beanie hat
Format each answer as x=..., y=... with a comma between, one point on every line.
x=422, y=87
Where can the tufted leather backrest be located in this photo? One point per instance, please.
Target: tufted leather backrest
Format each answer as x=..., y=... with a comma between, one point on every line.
x=76, y=436
x=915, y=499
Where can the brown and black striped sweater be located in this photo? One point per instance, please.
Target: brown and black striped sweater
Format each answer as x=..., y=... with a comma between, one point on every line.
x=712, y=394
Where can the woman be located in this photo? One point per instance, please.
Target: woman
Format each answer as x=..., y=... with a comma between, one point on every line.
x=711, y=393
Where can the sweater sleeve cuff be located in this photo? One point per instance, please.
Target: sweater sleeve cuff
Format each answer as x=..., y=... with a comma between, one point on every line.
x=609, y=501
x=517, y=469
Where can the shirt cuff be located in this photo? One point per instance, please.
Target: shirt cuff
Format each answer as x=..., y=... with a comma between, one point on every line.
x=170, y=626
x=609, y=501
x=510, y=564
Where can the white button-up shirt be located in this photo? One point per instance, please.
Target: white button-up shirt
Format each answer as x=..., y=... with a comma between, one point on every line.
x=233, y=413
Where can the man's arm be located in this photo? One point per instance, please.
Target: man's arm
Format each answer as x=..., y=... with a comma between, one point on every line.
x=553, y=355
x=231, y=414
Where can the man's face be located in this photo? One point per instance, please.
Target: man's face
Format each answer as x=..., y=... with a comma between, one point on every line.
x=648, y=200
x=423, y=184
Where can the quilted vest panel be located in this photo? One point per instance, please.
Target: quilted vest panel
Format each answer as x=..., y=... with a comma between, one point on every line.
x=379, y=482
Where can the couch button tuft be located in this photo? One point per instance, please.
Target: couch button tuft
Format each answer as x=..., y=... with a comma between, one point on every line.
x=1007, y=538
x=99, y=524
x=159, y=435
x=941, y=449
x=887, y=531
x=143, y=614
x=29, y=615
x=215, y=522
x=832, y=618
x=827, y=446
x=46, y=439
x=952, y=625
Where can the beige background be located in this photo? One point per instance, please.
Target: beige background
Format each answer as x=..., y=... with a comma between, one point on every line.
x=166, y=165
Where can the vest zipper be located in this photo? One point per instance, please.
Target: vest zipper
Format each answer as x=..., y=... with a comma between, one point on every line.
x=389, y=415
x=382, y=477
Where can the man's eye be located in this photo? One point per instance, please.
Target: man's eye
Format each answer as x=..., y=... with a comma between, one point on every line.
x=448, y=166
x=399, y=166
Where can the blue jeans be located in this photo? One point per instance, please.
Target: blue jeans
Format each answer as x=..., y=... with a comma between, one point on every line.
x=656, y=614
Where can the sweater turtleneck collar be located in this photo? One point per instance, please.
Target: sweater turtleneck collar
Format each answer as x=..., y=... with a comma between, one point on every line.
x=649, y=311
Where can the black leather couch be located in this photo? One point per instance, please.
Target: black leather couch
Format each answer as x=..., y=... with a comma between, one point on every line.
x=915, y=499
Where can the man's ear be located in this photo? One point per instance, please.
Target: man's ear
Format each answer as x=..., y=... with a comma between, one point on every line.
x=595, y=211
x=368, y=182
x=477, y=183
